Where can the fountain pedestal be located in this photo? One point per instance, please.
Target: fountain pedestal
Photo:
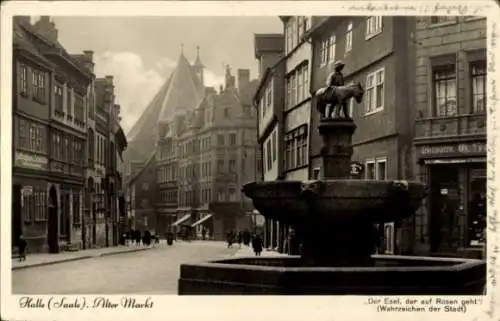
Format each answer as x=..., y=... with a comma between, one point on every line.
x=337, y=148
x=335, y=217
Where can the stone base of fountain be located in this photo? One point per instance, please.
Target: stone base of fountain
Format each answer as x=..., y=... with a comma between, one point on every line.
x=389, y=275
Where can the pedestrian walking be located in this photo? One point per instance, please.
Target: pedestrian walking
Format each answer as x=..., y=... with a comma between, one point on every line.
x=146, y=239
x=257, y=245
x=246, y=237
x=240, y=238
x=137, y=237
x=229, y=239
x=22, y=246
x=203, y=234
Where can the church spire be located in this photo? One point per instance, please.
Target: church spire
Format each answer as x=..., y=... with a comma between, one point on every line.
x=197, y=62
x=198, y=66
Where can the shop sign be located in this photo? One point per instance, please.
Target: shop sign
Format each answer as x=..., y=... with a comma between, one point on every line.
x=461, y=148
x=30, y=161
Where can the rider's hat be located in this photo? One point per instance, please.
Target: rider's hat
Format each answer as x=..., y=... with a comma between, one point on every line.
x=338, y=63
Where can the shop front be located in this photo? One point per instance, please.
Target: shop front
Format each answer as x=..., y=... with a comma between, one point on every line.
x=30, y=201
x=456, y=209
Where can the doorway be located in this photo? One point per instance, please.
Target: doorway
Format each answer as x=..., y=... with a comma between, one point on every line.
x=17, y=220
x=445, y=200
x=52, y=229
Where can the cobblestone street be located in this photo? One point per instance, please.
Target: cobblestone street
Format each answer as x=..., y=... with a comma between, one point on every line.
x=154, y=271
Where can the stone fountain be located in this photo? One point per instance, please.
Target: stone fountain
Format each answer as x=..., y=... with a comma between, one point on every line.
x=335, y=217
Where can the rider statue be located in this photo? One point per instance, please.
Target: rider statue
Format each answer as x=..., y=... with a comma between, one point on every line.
x=335, y=79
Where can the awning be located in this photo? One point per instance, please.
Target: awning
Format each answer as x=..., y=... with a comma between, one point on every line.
x=181, y=220
x=202, y=220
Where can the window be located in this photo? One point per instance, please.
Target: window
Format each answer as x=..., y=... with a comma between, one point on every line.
x=226, y=112
x=289, y=36
x=38, y=81
x=79, y=110
x=331, y=49
x=23, y=80
x=305, y=76
x=296, y=148
x=445, y=86
x=374, y=92
x=442, y=19
x=376, y=169
x=373, y=26
x=389, y=238
x=232, y=139
x=300, y=85
x=348, y=38
x=297, y=86
x=316, y=173
x=478, y=82
x=232, y=194
x=232, y=166
x=269, y=159
x=220, y=140
x=324, y=52
x=220, y=165
x=69, y=103
x=370, y=169
x=293, y=98
x=221, y=194
x=32, y=137
x=91, y=103
x=58, y=99
x=33, y=204
x=288, y=86
x=381, y=169
x=274, y=143
x=269, y=95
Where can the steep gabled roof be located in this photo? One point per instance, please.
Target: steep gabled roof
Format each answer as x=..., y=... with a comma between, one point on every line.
x=185, y=91
x=182, y=91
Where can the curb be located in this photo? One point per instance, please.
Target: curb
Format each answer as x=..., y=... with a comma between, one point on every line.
x=77, y=259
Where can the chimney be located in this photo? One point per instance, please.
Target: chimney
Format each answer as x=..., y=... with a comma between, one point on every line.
x=109, y=80
x=230, y=80
x=243, y=78
x=46, y=28
x=89, y=54
x=89, y=57
x=221, y=89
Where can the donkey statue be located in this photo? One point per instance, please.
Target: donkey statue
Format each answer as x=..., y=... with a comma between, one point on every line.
x=338, y=96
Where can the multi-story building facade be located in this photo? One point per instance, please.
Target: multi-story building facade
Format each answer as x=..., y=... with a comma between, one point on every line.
x=53, y=98
x=63, y=92
x=32, y=74
x=450, y=132
x=298, y=56
x=204, y=144
x=377, y=52
x=269, y=102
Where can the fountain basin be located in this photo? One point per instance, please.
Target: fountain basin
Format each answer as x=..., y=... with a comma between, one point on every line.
x=389, y=275
x=336, y=201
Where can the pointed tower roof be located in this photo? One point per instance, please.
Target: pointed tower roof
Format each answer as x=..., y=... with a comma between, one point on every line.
x=197, y=62
x=181, y=92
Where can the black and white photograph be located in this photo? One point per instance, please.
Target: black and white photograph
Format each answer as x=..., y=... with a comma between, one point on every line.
x=249, y=155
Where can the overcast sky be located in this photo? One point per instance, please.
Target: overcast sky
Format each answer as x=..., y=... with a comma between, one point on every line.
x=141, y=52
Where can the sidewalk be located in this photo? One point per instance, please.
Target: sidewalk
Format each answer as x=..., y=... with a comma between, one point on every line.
x=246, y=251
x=41, y=259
